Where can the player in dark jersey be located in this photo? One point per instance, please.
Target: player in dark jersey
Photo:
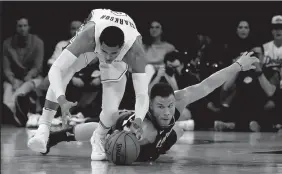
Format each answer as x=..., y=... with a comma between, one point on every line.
x=160, y=132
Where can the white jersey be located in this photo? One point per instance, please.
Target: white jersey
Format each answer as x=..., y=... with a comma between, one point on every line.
x=273, y=55
x=104, y=18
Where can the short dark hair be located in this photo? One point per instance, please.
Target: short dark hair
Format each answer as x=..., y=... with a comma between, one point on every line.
x=112, y=36
x=162, y=90
x=258, y=45
x=172, y=56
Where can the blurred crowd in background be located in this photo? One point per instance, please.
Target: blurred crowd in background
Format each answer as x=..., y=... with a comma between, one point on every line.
x=249, y=101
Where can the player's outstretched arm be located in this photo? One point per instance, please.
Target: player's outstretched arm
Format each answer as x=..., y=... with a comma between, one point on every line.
x=136, y=60
x=193, y=93
x=83, y=42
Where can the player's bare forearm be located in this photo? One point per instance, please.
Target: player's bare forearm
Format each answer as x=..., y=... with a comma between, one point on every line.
x=229, y=84
x=193, y=93
x=135, y=58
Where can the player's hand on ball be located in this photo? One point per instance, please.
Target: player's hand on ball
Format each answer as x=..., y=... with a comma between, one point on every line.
x=246, y=61
x=136, y=127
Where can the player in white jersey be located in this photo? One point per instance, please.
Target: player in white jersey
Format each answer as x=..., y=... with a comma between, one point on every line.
x=113, y=39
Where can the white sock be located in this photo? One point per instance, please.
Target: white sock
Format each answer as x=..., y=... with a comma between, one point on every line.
x=45, y=120
x=102, y=129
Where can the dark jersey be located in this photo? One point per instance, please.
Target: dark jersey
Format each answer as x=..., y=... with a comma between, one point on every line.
x=166, y=137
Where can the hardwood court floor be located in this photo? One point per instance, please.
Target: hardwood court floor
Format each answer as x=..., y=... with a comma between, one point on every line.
x=195, y=153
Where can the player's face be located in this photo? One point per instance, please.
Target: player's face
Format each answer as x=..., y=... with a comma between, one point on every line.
x=243, y=29
x=74, y=27
x=109, y=53
x=163, y=109
x=155, y=29
x=22, y=27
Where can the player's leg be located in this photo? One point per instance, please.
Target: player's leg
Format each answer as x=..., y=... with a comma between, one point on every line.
x=39, y=141
x=111, y=98
x=80, y=132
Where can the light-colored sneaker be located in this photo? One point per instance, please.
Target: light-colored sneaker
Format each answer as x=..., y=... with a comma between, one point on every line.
x=38, y=142
x=98, y=147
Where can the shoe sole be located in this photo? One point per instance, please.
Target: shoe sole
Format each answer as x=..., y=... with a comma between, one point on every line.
x=37, y=145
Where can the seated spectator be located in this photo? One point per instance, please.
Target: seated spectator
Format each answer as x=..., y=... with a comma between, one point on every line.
x=241, y=42
x=156, y=48
x=253, y=97
x=22, y=63
x=273, y=49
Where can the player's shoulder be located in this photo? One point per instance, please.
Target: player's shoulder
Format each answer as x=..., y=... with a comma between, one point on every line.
x=137, y=46
x=148, y=125
x=109, y=11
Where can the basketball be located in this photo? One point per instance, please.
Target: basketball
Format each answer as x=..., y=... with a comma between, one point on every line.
x=122, y=148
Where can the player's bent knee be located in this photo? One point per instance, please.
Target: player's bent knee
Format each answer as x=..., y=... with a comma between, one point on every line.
x=108, y=117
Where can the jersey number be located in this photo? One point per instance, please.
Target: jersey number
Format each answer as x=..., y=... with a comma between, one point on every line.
x=117, y=13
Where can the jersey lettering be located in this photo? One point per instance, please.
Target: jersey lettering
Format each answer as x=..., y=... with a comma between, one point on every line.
x=118, y=20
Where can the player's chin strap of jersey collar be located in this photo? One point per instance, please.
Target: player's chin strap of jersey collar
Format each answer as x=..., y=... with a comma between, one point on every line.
x=155, y=123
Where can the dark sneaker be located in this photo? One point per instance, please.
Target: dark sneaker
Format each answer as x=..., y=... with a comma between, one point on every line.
x=56, y=137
